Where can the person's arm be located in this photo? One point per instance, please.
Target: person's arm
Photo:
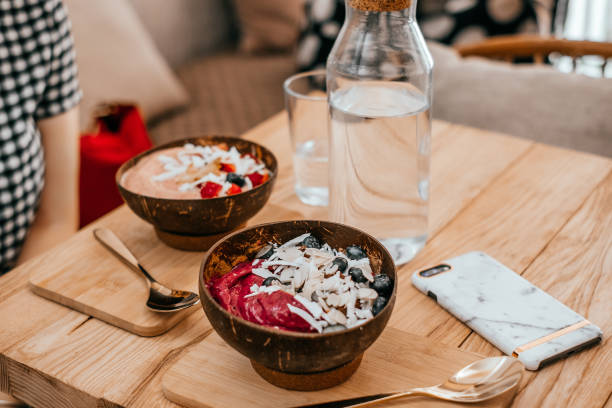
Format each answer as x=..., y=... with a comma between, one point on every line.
x=57, y=216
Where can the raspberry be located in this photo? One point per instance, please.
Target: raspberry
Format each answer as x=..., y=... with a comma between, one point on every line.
x=210, y=190
x=257, y=179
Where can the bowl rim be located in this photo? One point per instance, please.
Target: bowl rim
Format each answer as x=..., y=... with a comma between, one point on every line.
x=288, y=333
x=176, y=143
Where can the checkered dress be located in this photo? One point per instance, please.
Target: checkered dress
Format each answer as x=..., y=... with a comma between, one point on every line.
x=38, y=79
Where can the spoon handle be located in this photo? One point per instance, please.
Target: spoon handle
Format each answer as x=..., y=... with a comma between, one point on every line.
x=111, y=242
x=368, y=400
x=413, y=392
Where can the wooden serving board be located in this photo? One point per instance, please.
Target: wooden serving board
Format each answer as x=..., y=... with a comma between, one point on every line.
x=212, y=374
x=85, y=276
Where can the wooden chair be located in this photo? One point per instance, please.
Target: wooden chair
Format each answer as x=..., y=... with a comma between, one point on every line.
x=510, y=47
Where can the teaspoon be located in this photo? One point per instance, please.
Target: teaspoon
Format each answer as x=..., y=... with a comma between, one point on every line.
x=482, y=380
x=161, y=298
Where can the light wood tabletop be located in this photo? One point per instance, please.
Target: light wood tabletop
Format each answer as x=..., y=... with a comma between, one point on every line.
x=543, y=211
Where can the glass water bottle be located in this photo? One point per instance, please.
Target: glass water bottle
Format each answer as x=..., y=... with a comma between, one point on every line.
x=379, y=87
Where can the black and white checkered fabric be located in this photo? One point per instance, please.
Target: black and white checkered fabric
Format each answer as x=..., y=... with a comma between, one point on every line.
x=38, y=79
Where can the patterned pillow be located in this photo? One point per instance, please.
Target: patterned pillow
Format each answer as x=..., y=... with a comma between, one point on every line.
x=324, y=19
x=464, y=21
x=446, y=21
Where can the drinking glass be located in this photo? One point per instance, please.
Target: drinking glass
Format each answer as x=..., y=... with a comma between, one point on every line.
x=306, y=103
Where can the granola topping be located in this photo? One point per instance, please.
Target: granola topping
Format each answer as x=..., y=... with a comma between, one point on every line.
x=304, y=285
x=193, y=171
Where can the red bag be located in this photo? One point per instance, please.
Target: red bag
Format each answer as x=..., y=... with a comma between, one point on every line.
x=120, y=135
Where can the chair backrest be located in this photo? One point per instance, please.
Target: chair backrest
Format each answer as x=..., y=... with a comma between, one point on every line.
x=510, y=47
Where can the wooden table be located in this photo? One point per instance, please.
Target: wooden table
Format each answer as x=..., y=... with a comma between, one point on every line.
x=543, y=211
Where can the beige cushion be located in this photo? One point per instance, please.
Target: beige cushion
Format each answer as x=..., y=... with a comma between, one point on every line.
x=230, y=94
x=269, y=24
x=534, y=102
x=118, y=61
x=185, y=29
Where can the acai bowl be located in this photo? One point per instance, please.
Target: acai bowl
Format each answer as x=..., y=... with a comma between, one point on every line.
x=310, y=357
x=195, y=190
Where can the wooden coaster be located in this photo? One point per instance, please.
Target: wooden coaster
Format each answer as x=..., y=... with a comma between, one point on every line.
x=212, y=374
x=86, y=277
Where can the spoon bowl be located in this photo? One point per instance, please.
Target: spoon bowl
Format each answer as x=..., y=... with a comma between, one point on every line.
x=161, y=298
x=479, y=381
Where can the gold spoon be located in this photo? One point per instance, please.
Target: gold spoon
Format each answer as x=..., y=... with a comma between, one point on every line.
x=482, y=380
x=161, y=298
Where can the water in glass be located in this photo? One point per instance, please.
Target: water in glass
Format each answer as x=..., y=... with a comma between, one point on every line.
x=310, y=165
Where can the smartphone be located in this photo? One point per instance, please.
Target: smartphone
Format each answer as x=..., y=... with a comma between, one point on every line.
x=497, y=303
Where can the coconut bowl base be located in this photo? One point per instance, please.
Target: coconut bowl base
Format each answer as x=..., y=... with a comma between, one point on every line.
x=191, y=242
x=309, y=381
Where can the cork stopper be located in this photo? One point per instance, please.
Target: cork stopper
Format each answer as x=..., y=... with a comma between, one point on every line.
x=380, y=5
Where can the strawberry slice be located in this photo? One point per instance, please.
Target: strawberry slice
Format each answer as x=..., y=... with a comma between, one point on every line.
x=228, y=167
x=257, y=178
x=234, y=189
x=210, y=189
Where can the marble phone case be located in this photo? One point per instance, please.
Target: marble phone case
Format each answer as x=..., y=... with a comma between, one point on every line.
x=507, y=310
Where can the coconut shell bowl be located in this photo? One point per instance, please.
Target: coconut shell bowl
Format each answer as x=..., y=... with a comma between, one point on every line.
x=288, y=359
x=195, y=224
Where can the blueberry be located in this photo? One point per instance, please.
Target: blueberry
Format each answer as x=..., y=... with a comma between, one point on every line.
x=268, y=281
x=341, y=263
x=382, y=284
x=354, y=252
x=357, y=275
x=265, y=252
x=379, y=304
x=311, y=242
x=237, y=179
x=314, y=297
